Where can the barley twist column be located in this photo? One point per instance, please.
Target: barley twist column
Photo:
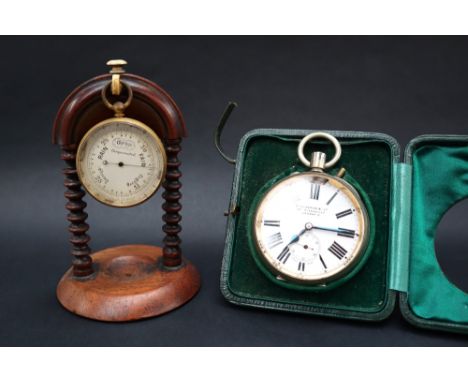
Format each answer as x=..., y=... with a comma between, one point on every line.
x=172, y=253
x=82, y=262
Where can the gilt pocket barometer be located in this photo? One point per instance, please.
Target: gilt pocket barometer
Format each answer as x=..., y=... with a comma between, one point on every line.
x=120, y=136
x=311, y=228
x=121, y=162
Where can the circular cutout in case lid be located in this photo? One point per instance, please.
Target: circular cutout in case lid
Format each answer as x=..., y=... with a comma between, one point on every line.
x=451, y=244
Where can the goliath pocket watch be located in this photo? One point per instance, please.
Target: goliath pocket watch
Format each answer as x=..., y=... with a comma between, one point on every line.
x=311, y=228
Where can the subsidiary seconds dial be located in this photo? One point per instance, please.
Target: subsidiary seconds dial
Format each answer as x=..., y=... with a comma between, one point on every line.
x=121, y=162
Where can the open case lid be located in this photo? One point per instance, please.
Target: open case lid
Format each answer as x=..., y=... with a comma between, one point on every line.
x=434, y=177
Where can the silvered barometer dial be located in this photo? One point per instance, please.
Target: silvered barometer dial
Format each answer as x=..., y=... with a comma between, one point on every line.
x=311, y=227
x=121, y=162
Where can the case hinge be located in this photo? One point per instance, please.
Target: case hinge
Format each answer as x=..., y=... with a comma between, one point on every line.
x=401, y=227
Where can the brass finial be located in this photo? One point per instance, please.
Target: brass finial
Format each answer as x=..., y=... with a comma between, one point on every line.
x=116, y=71
x=117, y=66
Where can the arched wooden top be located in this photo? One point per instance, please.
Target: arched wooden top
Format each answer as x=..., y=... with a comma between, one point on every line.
x=83, y=108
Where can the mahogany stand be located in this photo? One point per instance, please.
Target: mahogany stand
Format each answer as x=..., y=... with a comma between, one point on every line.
x=131, y=283
x=134, y=281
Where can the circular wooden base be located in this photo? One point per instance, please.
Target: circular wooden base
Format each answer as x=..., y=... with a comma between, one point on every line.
x=129, y=284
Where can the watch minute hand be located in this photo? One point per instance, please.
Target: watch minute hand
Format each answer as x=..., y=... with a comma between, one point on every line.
x=342, y=231
x=327, y=229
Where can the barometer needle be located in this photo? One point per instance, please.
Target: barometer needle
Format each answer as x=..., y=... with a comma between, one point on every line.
x=121, y=164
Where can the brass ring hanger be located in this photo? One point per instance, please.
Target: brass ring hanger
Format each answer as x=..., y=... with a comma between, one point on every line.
x=115, y=86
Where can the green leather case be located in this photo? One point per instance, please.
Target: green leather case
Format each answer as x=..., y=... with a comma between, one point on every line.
x=408, y=198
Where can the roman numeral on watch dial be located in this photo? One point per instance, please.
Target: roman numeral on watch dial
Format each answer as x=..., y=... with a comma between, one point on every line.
x=344, y=213
x=274, y=240
x=301, y=266
x=322, y=261
x=284, y=255
x=314, y=191
x=272, y=223
x=333, y=197
x=338, y=250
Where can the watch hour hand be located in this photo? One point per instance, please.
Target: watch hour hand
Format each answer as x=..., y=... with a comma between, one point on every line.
x=295, y=238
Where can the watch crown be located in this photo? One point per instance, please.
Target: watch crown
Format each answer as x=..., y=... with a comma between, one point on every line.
x=117, y=66
x=318, y=160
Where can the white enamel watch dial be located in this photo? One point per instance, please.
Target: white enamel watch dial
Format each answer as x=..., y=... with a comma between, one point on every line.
x=121, y=162
x=311, y=228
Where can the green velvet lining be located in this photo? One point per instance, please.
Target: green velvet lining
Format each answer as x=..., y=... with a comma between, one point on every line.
x=309, y=288
x=440, y=179
x=369, y=157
